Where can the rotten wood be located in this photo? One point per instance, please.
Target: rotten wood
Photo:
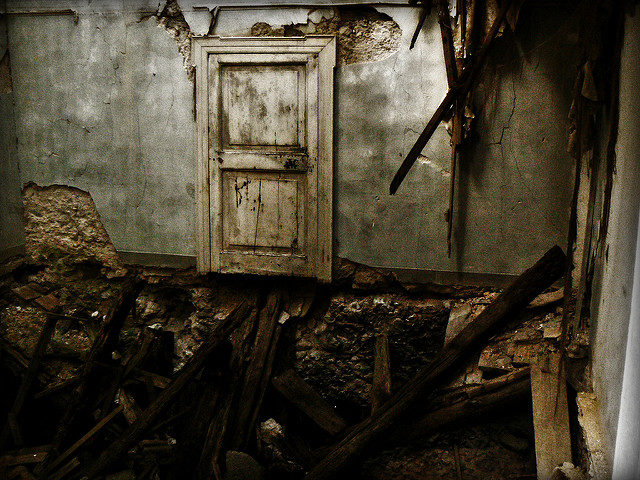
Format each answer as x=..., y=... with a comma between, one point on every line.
x=259, y=367
x=465, y=405
x=453, y=68
x=101, y=349
x=372, y=430
x=12, y=428
x=216, y=435
x=301, y=395
x=65, y=470
x=461, y=88
x=550, y=416
x=381, y=387
x=166, y=397
x=72, y=449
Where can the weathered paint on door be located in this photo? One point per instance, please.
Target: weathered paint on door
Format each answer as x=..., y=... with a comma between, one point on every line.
x=265, y=119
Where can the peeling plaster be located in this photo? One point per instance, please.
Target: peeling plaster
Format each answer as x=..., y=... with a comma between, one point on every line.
x=199, y=21
x=363, y=34
x=62, y=221
x=172, y=19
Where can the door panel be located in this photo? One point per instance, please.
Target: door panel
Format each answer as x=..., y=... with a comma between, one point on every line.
x=264, y=212
x=263, y=106
x=260, y=117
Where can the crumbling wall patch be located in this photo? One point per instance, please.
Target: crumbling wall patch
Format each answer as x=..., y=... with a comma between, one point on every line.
x=63, y=222
x=363, y=34
x=173, y=21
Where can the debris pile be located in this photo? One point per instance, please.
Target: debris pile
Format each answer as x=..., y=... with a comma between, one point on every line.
x=160, y=374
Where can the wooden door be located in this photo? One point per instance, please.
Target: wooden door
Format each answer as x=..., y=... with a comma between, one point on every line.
x=265, y=119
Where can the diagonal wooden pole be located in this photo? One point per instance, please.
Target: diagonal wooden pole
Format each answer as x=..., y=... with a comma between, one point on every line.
x=461, y=88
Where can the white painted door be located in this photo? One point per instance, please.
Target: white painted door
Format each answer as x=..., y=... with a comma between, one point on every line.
x=264, y=108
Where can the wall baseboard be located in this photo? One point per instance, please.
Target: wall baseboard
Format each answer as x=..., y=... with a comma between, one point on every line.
x=411, y=275
x=406, y=275
x=149, y=259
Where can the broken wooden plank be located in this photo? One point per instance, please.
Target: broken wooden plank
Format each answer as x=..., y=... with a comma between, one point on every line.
x=462, y=87
x=372, y=430
x=219, y=426
x=252, y=389
x=101, y=349
x=164, y=399
x=266, y=376
x=27, y=382
x=546, y=299
x=458, y=319
x=453, y=70
x=72, y=449
x=381, y=387
x=65, y=470
x=292, y=387
x=24, y=456
x=130, y=408
x=424, y=13
x=494, y=361
x=550, y=416
x=465, y=404
x=25, y=292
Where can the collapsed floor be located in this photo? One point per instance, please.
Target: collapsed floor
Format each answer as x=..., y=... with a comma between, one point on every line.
x=137, y=380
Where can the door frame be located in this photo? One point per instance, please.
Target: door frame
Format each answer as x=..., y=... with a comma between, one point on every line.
x=323, y=47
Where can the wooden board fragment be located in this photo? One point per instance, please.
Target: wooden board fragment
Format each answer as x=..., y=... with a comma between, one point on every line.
x=458, y=319
x=381, y=388
x=292, y=387
x=166, y=397
x=374, y=429
x=464, y=405
x=550, y=416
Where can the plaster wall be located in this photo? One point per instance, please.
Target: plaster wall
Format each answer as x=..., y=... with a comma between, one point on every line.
x=615, y=349
x=11, y=225
x=104, y=104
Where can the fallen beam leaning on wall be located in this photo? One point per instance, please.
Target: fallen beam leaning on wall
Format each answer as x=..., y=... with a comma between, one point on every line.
x=461, y=88
x=374, y=429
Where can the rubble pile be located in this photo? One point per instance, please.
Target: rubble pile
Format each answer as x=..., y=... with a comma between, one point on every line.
x=159, y=373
